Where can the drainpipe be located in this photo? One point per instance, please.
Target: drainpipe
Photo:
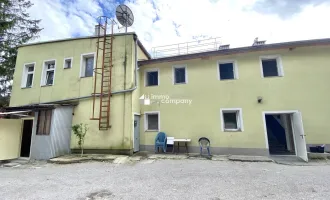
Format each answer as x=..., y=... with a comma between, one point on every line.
x=112, y=93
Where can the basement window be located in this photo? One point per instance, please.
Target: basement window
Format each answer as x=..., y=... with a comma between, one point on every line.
x=44, y=122
x=87, y=65
x=28, y=74
x=271, y=66
x=151, y=121
x=227, y=70
x=67, y=63
x=151, y=77
x=48, y=73
x=232, y=119
x=180, y=74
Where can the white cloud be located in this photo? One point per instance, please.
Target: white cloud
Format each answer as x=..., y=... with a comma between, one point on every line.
x=181, y=20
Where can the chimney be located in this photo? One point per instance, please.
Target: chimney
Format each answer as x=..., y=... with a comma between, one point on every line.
x=256, y=42
x=99, y=30
x=222, y=47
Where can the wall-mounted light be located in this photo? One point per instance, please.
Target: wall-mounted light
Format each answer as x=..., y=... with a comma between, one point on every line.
x=259, y=99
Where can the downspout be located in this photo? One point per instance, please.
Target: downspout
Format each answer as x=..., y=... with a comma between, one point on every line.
x=112, y=93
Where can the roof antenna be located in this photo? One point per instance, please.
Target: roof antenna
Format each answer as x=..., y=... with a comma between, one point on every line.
x=124, y=16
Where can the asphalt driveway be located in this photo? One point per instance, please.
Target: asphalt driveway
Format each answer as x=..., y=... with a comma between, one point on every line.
x=166, y=179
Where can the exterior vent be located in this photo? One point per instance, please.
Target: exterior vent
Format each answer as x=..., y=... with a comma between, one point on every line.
x=99, y=30
x=257, y=43
x=222, y=47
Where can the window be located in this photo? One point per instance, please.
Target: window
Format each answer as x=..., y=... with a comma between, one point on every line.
x=179, y=74
x=67, y=63
x=44, y=122
x=231, y=119
x=28, y=73
x=271, y=66
x=227, y=70
x=151, y=77
x=87, y=65
x=48, y=73
x=151, y=120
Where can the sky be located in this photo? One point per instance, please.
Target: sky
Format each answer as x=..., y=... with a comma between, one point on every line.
x=164, y=22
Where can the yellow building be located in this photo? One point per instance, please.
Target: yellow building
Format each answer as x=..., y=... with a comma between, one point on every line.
x=53, y=85
x=257, y=100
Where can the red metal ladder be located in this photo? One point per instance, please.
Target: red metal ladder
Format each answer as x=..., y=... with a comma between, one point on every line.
x=104, y=53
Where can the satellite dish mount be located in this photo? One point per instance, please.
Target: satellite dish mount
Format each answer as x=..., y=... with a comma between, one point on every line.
x=124, y=16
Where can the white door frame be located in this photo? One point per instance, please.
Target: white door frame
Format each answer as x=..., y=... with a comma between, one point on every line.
x=133, y=136
x=264, y=113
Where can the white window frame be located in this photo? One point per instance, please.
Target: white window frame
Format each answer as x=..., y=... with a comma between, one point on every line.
x=278, y=61
x=235, y=67
x=239, y=119
x=146, y=120
x=145, y=77
x=64, y=62
x=173, y=73
x=44, y=72
x=82, y=63
x=26, y=73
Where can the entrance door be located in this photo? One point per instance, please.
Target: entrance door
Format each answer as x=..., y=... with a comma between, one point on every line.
x=299, y=136
x=26, y=138
x=136, y=133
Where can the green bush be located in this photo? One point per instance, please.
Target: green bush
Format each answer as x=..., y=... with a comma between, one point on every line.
x=80, y=130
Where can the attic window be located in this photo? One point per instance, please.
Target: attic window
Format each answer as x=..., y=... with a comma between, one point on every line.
x=87, y=65
x=48, y=73
x=28, y=75
x=180, y=74
x=271, y=66
x=227, y=70
x=67, y=63
x=151, y=77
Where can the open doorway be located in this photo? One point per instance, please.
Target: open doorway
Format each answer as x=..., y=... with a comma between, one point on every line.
x=285, y=134
x=280, y=134
x=26, y=138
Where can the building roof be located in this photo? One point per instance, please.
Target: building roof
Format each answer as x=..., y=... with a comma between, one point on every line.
x=283, y=45
x=89, y=37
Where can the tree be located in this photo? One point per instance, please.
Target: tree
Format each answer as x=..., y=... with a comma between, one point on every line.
x=80, y=130
x=16, y=28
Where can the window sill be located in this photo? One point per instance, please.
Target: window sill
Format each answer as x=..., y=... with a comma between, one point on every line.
x=66, y=67
x=47, y=85
x=151, y=130
x=233, y=79
x=272, y=76
x=151, y=85
x=232, y=130
x=180, y=83
x=86, y=77
x=26, y=87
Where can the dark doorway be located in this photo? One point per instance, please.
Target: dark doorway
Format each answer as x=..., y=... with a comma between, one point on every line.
x=26, y=138
x=279, y=133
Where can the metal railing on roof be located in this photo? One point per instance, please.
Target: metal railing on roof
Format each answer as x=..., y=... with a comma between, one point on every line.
x=211, y=44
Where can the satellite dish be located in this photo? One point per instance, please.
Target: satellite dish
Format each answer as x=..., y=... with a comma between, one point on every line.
x=124, y=15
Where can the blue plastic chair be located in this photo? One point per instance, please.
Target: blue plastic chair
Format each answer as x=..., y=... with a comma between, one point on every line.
x=160, y=141
x=204, y=143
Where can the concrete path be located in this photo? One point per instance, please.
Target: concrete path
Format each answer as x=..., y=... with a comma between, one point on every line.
x=120, y=159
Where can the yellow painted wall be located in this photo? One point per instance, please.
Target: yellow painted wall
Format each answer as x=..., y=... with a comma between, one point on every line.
x=10, y=138
x=141, y=55
x=68, y=84
x=304, y=87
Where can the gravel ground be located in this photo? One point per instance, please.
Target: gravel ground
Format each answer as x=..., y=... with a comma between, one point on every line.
x=166, y=179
